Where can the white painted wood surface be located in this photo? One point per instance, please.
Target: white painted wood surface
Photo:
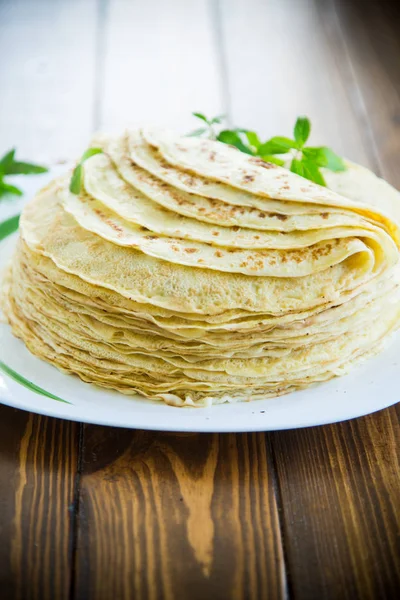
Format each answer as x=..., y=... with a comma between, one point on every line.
x=161, y=63
x=281, y=65
x=72, y=66
x=47, y=73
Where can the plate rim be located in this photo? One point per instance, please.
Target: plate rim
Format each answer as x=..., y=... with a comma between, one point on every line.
x=183, y=428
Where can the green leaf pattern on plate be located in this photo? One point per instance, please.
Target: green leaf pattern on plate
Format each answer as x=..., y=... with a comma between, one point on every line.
x=28, y=384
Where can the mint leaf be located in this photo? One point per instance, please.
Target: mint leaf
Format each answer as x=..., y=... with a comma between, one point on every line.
x=6, y=188
x=277, y=145
x=90, y=152
x=233, y=139
x=308, y=159
x=197, y=132
x=297, y=167
x=6, y=161
x=217, y=119
x=333, y=161
x=273, y=159
x=315, y=155
x=308, y=170
x=24, y=168
x=253, y=139
x=302, y=130
x=76, y=180
x=325, y=157
x=9, y=166
x=312, y=172
x=200, y=116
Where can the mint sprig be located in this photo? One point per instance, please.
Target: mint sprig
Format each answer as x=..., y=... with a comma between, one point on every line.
x=303, y=160
x=76, y=179
x=208, y=128
x=10, y=166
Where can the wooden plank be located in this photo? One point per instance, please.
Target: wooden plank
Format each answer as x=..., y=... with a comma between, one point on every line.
x=372, y=44
x=37, y=477
x=47, y=76
x=177, y=516
x=160, y=64
x=281, y=64
x=340, y=495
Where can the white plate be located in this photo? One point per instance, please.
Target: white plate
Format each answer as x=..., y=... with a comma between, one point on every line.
x=370, y=387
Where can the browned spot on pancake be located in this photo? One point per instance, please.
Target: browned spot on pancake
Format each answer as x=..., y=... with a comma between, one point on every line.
x=218, y=253
x=215, y=233
x=248, y=178
x=235, y=228
x=165, y=165
x=281, y=217
x=151, y=237
x=108, y=221
x=263, y=163
x=191, y=250
x=324, y=250
x=256, y=237
x=324, y=215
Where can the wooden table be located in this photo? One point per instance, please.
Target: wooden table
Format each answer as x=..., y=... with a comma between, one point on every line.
x=90, y=512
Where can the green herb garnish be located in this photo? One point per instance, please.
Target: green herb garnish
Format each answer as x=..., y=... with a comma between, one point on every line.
x=76, y=179
x=209, y=125
x=10, y=166
x=301, y=159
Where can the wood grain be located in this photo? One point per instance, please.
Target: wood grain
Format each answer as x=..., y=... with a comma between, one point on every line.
x=340, y=495
x=38, y=462
x=177, y=516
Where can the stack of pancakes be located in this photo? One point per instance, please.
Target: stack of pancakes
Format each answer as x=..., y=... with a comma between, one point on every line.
x=190, y=272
